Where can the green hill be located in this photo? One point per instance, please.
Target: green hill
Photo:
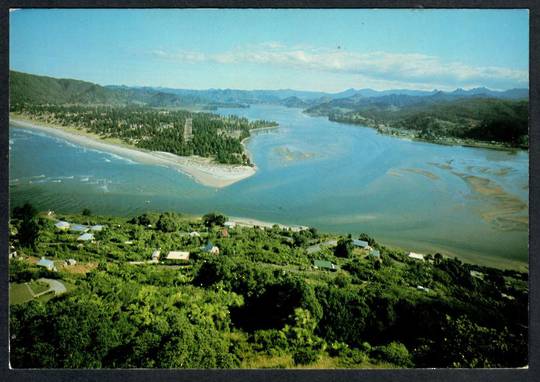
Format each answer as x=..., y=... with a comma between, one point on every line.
x=28, y=88
x=39, y=90
x=436, y=118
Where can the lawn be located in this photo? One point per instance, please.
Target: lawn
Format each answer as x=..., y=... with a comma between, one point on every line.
x=19, y=293
x=38, y=286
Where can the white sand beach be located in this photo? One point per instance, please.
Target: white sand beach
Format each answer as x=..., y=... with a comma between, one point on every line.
x=202, y=170
x=248, y=222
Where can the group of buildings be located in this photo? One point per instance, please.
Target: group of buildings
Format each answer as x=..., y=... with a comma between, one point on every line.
x=86, y=231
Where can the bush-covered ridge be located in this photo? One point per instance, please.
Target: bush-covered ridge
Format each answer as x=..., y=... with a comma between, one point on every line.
x=491, y=120
x=259, y=303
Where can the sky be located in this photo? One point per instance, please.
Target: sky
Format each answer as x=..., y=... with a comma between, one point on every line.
x=302, y=49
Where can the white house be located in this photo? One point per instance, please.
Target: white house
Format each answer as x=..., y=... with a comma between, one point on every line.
x=155, y=255
x=49, y=264
x=86, y=237
x=416, y=256
x=62, y=225
x=178, y=255
x=229, y=224
x=78, y=228
x=194, y=234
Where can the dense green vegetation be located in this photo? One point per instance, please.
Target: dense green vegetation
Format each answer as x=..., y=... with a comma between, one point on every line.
x=29, y=88
x=434, y=119
x=157, y=130
x=259, y=303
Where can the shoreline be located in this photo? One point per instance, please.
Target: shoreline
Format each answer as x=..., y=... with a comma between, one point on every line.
x=202, y=170
x=443, y=140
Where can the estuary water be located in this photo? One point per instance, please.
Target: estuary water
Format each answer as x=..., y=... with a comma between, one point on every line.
x=460, y=201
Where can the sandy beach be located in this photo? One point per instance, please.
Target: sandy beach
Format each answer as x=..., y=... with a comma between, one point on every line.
x=248, y=222
x=202, y=170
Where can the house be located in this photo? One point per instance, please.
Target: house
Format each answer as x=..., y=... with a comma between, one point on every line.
x=360, y=243
x=416, y=256
x=229, y=224
x=323, y=264
x=49, y=264
x=375, y=253
x=62, y=225
x=13, y=254
x=97, y=228
x=78, y=228
x=224, y=232
x=155, y=255
x=86, y=237
x=210, y=248
x=71, y=262
x=194, y=234
x=178, y=255
x=420, y=287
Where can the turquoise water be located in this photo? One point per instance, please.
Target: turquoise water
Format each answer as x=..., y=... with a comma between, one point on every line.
x=311, y=171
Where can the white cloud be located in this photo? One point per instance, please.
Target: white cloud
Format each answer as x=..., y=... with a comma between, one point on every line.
x=412, y=69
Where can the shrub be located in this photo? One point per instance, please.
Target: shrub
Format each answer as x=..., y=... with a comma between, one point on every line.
x=395, y=353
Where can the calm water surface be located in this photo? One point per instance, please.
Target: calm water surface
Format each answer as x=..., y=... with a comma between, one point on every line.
x=460, y=201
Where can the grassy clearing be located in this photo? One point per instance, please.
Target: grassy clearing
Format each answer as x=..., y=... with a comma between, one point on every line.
x=38, y=286
x=19, y=294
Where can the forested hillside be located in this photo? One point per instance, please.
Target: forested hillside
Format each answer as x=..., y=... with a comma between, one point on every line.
x=436, y=118
x=33, y=89
x=266, y=300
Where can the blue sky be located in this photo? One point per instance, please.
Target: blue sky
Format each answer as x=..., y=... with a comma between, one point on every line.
x=328, y=50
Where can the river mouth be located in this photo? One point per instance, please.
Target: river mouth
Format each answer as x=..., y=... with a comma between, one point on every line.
x=461, y=201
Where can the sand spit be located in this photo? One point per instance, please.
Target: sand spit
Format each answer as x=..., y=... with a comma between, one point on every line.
x=202, y=170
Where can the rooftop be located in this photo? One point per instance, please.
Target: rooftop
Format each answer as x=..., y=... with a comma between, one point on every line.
x=360, y=243
x=86, y=237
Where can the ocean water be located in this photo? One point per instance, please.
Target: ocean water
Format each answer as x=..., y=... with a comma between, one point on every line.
x=465, y=202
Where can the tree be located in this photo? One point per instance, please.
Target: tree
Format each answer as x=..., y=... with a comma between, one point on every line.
x=167, y=223
x=299, y=239
x=343, y=248
x=395, y=353
x=25, y=212
x=214, y=218
x=368, y=239
x=86, y=212
x=28, y=233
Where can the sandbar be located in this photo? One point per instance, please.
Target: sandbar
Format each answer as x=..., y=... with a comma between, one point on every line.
x=202, y=170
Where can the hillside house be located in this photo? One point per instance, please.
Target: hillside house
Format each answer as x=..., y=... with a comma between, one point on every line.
x=375, y=253
x=62, y=225
x=360, y=243
x=78, y=228
x=178, y=255
x=86, y=237
x=416, y=256
x=155, y=255
x=211, y=248
x=323, y=264
x=48, y=264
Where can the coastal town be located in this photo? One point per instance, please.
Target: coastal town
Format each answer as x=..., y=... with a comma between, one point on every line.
x=66, y=255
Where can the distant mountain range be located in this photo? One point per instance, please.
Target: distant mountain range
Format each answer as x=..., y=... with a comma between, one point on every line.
x=31, y=88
